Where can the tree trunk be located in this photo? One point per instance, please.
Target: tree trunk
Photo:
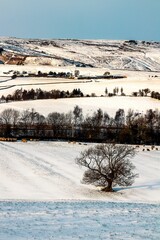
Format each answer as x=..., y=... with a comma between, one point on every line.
x=108, y=188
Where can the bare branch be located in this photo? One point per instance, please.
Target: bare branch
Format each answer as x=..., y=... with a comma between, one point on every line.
x=108, y=164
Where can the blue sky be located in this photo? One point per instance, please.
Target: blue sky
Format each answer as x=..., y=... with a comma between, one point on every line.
x=82, y=19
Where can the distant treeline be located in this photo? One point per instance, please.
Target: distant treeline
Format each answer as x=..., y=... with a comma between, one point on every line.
x=68, y=75
x=145, y=92
x=155, y=95
x=32, y=94
x=129, y=128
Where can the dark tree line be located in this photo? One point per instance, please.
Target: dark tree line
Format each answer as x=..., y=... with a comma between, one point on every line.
x=142, y=92
x=32, y=94
x=145, y=92
x=132, y=128
x=44, y=74
x=155, y=95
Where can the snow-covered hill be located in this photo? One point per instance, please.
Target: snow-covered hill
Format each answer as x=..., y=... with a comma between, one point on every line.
x=88, y=105
x=41, y=194
x=47, y=171
x=130, y=55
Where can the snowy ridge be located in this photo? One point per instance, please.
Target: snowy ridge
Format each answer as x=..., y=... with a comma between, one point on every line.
x=124, y=55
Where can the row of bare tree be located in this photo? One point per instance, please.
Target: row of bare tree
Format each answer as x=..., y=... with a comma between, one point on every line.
x=132, y=128
x=32, y=94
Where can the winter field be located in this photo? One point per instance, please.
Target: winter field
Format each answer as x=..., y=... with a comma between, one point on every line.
x=89, y=105
x=41, y=194
x=134, y=82
x=79, y=220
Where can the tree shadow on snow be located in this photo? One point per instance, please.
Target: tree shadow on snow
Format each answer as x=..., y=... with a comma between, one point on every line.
x=148, y=186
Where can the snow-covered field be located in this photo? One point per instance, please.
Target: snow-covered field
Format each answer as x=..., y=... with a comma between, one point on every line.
x=40, y=189
x=47, y=171
x=133, y=82
x=41, y=196
x=89, y=105
x=79, y=220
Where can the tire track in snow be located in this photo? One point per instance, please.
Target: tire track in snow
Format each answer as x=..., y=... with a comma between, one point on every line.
x=41, y=169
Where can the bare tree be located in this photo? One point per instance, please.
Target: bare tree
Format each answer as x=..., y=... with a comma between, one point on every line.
x=57, y=121
x=146, y=91
x=108, y=165
x=119, y=118
x=78, y=115
x=9, y=116
x=106, y=90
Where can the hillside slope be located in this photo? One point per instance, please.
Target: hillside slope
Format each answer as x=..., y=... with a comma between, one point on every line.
x=47, y=171
x=124, y=55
